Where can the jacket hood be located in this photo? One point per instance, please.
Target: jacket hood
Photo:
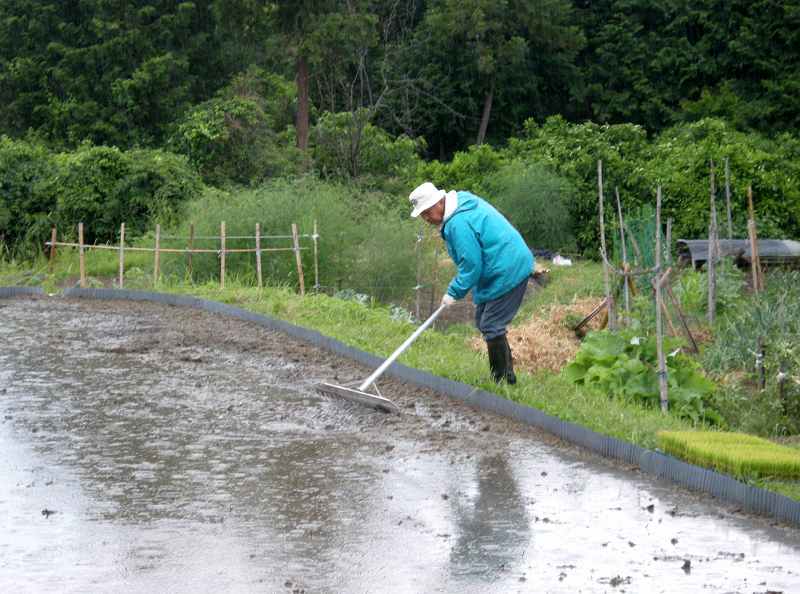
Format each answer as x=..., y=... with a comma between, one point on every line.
x=466, y=201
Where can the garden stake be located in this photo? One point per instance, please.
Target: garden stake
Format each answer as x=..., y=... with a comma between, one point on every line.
x=121, y=255
x=662, y=364
x=713, y=253
x=53, y=240
x=606, y=280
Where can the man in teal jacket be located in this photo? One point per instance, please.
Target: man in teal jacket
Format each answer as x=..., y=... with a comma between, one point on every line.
x=492, y=260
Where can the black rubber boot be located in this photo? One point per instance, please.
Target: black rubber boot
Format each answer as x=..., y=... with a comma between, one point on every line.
x=496, y=358
x=500, y=360
x=511, y=377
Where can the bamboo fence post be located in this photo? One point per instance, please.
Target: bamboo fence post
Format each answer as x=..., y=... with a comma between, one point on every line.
x=712, y=251
x=315, y=238
x=222, y=255
x=606, y=279
x=755, y=260
x=662, y=364
x=157, y=256
x=728, y=196
x=258, y=256
x=121, y=255
x=668, y=250
x=418, y=287
x=53, y=239
x=81, y=256
x=191, y=247
x=298, y=259
x=626, y=278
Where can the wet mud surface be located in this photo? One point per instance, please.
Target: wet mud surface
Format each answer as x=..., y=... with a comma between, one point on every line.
x=149, y=448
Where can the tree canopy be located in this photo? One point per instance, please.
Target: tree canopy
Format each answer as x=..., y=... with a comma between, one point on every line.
x=453, y=72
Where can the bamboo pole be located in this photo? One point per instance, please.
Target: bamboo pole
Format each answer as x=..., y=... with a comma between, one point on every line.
x=191, y=247
x=755, y=260
x=121, y=255
x=179, y=250
x=606, y=279
x=298, y=259
x=668, y=250
x=222, y=255
x=157, y=256
x=728, y=196
x=682, y=317
x=81, y=256
x=258, y=256
x=712, y=251
x=626, y=277
x=53, y=239
x=662, y=364
x=315, y=238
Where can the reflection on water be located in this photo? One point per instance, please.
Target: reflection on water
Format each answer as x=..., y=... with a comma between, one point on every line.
x=493, y=527
x=186, y=452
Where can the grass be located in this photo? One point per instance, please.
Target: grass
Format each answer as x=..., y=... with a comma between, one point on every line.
x=565, y=284
x=741, y=455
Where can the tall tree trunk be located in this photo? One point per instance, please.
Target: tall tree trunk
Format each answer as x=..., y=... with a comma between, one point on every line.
x=487, y=111
x=301, y=124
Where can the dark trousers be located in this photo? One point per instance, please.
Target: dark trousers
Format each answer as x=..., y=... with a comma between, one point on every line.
x=493, y=316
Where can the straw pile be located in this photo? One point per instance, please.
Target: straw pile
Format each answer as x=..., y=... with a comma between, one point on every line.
x=547, y=340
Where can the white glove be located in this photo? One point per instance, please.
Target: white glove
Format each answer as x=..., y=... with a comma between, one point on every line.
x=448, y=300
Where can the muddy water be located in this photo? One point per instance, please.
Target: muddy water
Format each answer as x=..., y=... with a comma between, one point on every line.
x=147, y=448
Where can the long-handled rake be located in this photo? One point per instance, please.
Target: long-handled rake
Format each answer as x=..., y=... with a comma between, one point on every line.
x=360, y=394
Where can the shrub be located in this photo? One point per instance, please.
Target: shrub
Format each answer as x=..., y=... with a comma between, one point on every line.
x=239, y=135
x=364, y=245
x=572, y=151
x=467, y=171
x=679, y=161
x=27, y=203
x=104, y=186
x=346, y=146
x=536, y=201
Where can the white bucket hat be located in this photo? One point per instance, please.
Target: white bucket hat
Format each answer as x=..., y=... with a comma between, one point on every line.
x=423, y=197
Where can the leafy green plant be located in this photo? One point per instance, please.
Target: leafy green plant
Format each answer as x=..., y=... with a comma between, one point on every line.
x=625, y=365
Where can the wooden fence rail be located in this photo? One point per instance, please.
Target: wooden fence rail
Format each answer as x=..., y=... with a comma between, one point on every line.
x=221, y=252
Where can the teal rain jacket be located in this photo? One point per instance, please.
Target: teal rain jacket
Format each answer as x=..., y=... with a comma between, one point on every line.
x=491, y=256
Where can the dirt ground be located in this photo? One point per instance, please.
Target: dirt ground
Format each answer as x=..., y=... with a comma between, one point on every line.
x=155, y=448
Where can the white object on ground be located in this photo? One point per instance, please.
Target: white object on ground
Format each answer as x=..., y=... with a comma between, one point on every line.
x=558, y=260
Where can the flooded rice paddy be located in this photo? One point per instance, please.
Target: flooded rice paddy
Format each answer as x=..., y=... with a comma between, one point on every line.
x=149, y=448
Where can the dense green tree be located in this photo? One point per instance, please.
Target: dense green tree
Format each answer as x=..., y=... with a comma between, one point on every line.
x=105, y=70
x=328, y=39
x=655, y=63
x=471, y=58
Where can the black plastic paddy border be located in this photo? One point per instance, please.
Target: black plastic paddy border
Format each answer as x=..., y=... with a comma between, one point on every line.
x=662, y=466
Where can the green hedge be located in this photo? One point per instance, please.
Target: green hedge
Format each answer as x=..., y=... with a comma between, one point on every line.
x=97, y=185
